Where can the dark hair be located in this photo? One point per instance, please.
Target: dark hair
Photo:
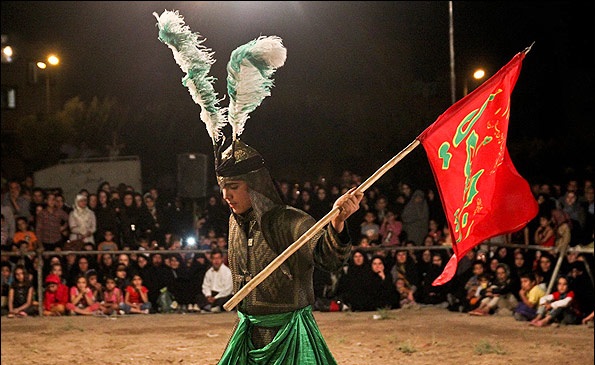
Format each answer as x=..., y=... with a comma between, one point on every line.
x=528, y=275
x=216, y=251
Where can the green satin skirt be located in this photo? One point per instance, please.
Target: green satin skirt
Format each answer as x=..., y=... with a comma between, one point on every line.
x=298, y=341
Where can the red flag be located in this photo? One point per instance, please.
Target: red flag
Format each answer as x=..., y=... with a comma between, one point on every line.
x=482, y=193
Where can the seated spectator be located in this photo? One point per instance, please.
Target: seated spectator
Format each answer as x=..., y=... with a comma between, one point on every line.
x=405, y=293
x=499, y=298
x=381, y=288
x=136, y=299
x=20, y=295
x=529, y=294
x=559, y=306
x=353, y=286
x=433, y=294
x=484, y=284
x=82, y=300
x=217, y=285
x=95, y=285
x=472, y=286
x=122, y=278
x=55, y=297
x=112, y=298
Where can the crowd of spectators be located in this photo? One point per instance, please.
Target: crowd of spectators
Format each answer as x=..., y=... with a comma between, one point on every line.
x=401, y=245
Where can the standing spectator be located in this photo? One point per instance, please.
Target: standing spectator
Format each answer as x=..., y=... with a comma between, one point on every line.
x=61, y=203
x=217, y=285
x=390, y=229
x=25, y=234
x=107, y=242
x=9, y=224
x=20, y=295
x=136, y=299
x=563, y=228
x=321, y=205
x=105, y=215
x=16, y=201
x=55, y=297
x=587, y=204
x=370, y=228
x=134, y=221
x=82, y=221
x=51, y=224
x=415, y=217
x=37, y=203
x=157, y=221
x=544, y=234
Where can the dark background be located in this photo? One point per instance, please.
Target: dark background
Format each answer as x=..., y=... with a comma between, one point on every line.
x=361, y=80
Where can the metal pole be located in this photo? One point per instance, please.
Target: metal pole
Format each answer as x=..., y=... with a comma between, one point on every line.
x=47, y=91
x=451, y=34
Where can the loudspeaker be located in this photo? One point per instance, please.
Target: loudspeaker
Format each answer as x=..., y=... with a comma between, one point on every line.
x=192, y=175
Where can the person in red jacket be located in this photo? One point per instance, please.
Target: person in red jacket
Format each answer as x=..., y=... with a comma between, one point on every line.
x=55, y=296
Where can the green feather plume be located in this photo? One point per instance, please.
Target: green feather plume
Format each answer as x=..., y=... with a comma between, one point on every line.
x=195, y=60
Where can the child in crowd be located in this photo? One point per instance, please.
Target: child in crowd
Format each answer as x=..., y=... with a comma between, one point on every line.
x=112, y=297
x=20, y=295
x=480, y=293
x=405, y=292
x=24, y=233
x=498, y=297
x=136, y=298
x=55, y=297
x=530, y=294
x=121, y=278
x=370, y=228
x=95, y=285
x=108, y=243
x=82, y=300
x=559, y=306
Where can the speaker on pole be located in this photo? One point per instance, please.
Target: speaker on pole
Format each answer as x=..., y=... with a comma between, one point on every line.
x=192, y=175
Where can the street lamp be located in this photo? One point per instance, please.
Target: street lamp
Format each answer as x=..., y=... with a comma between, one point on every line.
x=52, y=60
x=477, y=75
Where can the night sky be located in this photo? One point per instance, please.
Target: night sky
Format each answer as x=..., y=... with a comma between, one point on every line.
x=361, y=80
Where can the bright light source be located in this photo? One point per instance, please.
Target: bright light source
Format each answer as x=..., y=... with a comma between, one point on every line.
x=479, y=74
x=7, y=51
x=53, y=60
x=42, y=65
x=190, y=241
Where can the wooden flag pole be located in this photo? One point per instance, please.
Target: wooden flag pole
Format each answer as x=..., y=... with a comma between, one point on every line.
x=261, y=276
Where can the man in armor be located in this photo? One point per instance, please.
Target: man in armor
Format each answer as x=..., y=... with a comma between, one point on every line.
x=277, y=313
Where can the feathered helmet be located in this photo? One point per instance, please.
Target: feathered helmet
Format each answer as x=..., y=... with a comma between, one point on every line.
x=250, y=70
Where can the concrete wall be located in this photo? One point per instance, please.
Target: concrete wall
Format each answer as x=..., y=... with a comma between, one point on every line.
x=74, y=175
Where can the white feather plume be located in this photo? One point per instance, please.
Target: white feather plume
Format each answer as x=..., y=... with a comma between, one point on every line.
x=249, y=79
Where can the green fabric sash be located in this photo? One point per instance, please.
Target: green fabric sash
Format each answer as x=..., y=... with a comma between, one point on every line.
x=298, y=341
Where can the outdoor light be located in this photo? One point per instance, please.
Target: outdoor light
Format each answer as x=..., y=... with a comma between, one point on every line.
x=190, y=241
x=53, y=60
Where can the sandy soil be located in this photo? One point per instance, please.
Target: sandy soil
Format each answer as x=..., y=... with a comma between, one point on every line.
x=406, y=336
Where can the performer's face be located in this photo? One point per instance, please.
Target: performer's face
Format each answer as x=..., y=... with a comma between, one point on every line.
x=237, y=196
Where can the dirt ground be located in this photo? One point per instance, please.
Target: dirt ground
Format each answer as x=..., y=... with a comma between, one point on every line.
x=405, y=336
